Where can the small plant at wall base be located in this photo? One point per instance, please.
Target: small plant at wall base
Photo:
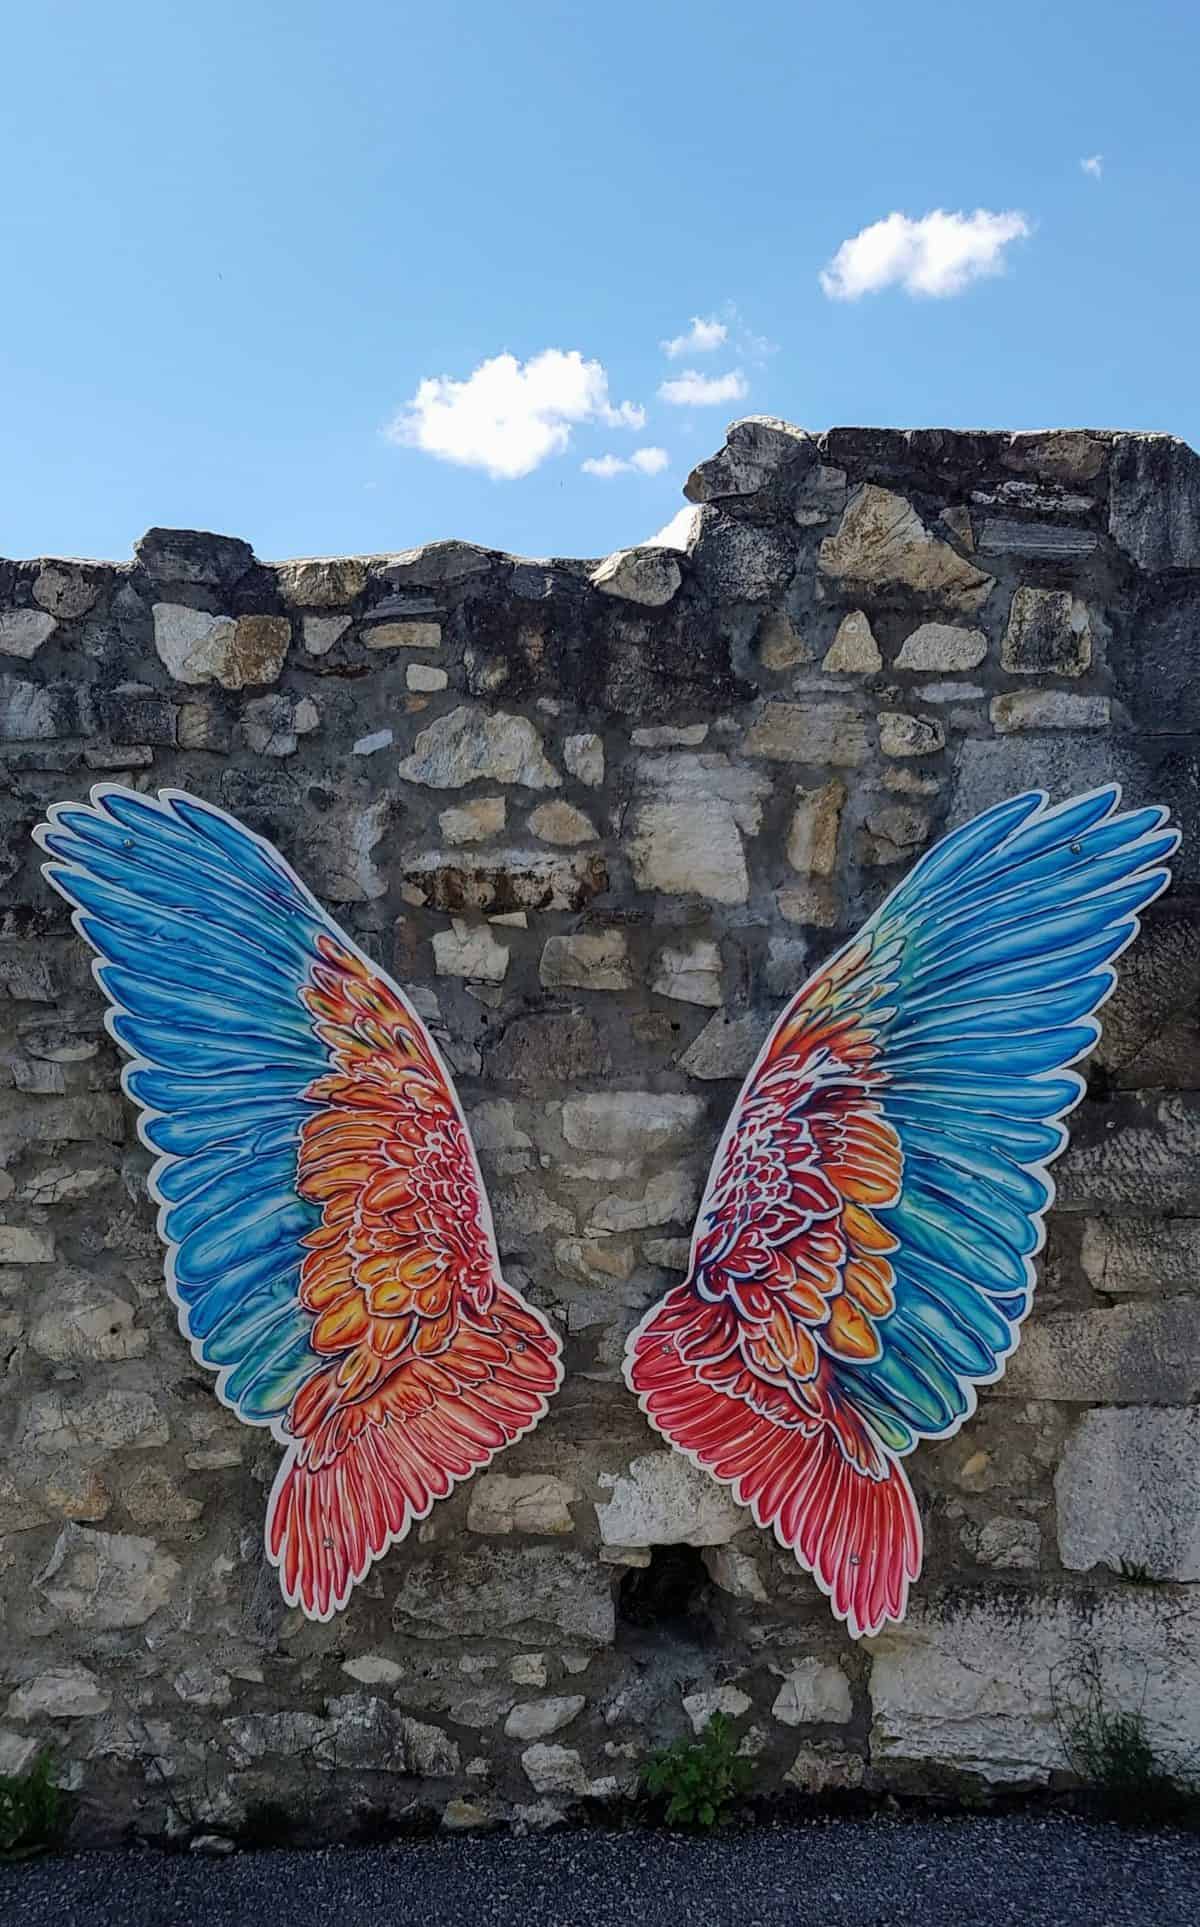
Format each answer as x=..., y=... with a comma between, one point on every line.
x=1110, y=1752
x=700, y=1780
x=33, y=1811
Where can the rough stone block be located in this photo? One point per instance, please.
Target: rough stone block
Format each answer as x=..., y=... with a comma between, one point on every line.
x=664, y=1500
x=969, y=1682
x=1127, y=1491
x=502, y=1592
x=1138, y=1353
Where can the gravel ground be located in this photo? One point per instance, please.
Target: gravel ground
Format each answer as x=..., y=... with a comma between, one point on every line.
x=872, y=1873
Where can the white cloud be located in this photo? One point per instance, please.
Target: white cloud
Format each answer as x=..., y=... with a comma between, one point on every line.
x=1093, y=165
x=643, y=461
x=508, y=416
x=691, y=389
x=937, y=255
x=702, y=338
x=679, y=533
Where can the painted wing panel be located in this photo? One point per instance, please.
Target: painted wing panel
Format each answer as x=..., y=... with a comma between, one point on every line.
x=865, y=1249
x=329, y=1245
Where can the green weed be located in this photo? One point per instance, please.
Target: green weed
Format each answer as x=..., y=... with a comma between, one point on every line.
x=700, y=1780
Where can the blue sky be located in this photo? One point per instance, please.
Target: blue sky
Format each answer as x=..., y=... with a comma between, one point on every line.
x=238, y=237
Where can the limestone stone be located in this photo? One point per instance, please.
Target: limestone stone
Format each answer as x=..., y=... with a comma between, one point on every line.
x=62, y=1693
x=435, y=564
x=649, y=576
x=561, y=823
x=942, y=646
x=468, y=1816
x=22, y=1244
x=341, y=850
x=194, y=556
x=1143, y=1352
x=534, y=1502
x=1009, y=1544
x=741, y=561
x=470, y=950
x=18, y=1752
x=319, y=633
x=403, y=635
x=273, y=725
x=152, y=1498
x=372, y=744
x=901, y=735
x=529, y=1669
x=1048, y=709
x=75, y=1491
x=727, y=1700
x=825, y=1769
x=670, y=736
x=881, y=542
x=100, y=1581
x=854, y=648
x=67, y=589
x=583, y=758
x=501, y=881
x=690, y=812
x=633, y=1123
x=549, y=1047
x=813, y=1691
x=661, y=1499
x=472, y=822
x=322, y=582
x=813, y=835
x=537, y=1719
x=736, y=1573
x=470, y=744
x=373, y=1669
x=1127, y=1491
x=497, y=1590
x=23, y=631
x=1153, y=1256
x=1145, y=1156
x=1048, y=633
x=592, y=960
x=893, y=831
x=820, y=496
x=781, y=645
x=111, y=1417
x=757, y=448
x=238, y=652
x=809, y=732
x=813, y=903
x=971, y=1682
x=727, y=1046
x=425, y=678
x=690, y=975
x=40, y=712
x=203, y=1684
x=555, y=1769
x=1154, y=501
x=669, y=1197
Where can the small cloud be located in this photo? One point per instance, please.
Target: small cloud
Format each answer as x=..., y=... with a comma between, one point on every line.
x=691, y=389
x=702, y=338
x=1093, y=165
x=939, y=255
x=643, y=461
x=507, y=416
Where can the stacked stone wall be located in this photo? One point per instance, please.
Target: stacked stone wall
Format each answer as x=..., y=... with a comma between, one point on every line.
x=600, y=819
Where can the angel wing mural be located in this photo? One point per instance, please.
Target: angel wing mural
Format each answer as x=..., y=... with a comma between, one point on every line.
x=329, y=1243
x=864, y=1252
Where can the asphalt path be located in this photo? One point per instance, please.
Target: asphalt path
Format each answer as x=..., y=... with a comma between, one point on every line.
x=881, y=1872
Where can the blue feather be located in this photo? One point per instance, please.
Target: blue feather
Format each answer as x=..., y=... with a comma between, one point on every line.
x=998, y=949
x=206, y=943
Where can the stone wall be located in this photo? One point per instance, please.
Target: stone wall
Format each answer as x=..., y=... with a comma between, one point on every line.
x=601, y=819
